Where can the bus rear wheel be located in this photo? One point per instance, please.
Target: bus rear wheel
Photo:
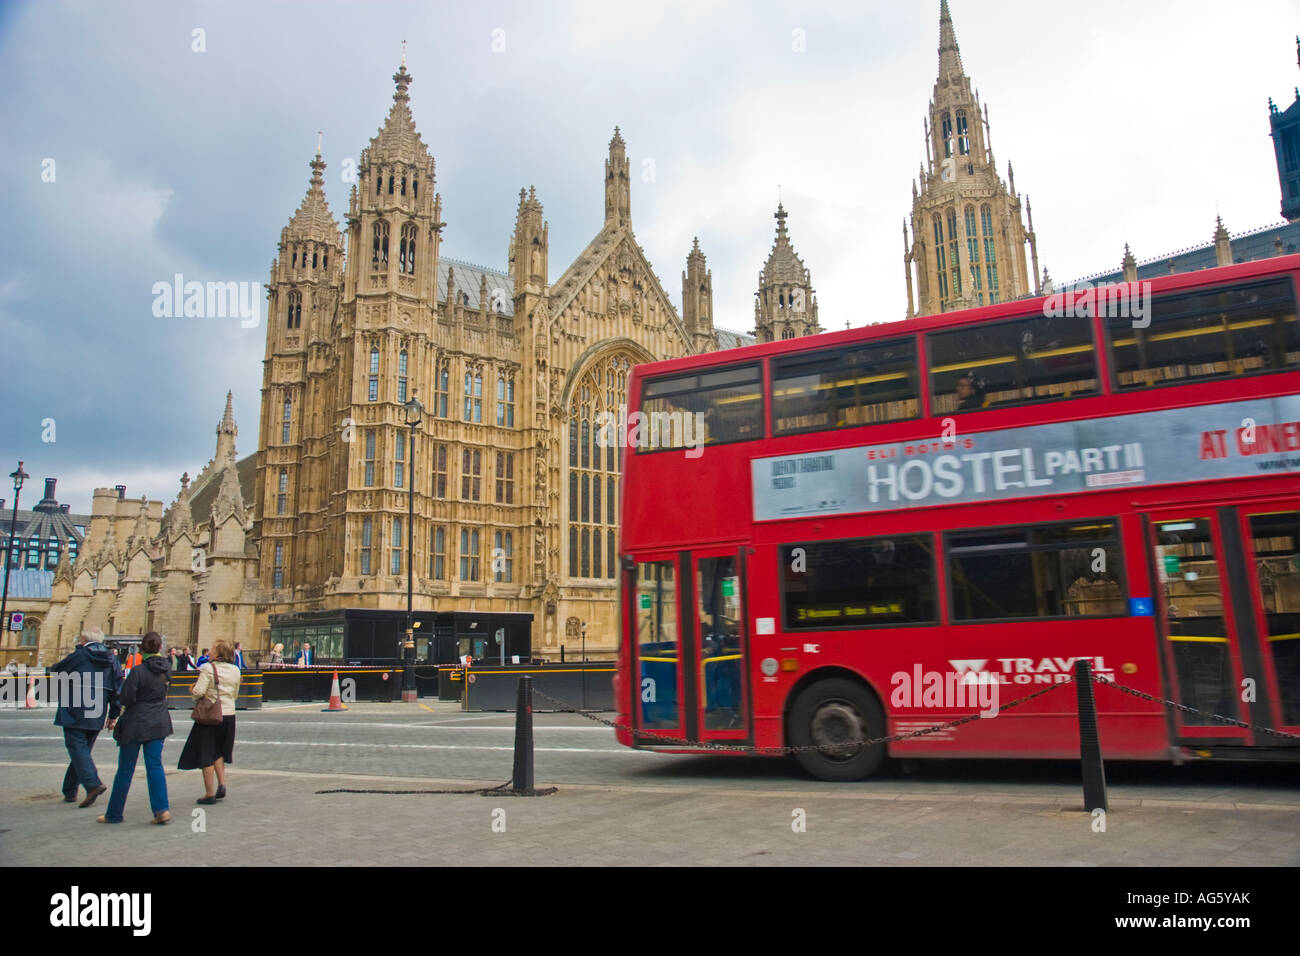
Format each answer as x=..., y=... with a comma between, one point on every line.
x=836, y=714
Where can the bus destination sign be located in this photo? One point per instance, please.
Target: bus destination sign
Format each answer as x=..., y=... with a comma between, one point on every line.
x=1232, y=440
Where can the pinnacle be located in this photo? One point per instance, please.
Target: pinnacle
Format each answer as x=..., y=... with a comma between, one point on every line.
x=313, y=218
x=949, y=54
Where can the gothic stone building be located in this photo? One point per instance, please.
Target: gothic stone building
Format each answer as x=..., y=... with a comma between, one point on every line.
x=967, y=247
x=515, y=502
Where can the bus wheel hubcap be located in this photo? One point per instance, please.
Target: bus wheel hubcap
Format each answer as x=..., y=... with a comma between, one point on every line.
x=837, y=724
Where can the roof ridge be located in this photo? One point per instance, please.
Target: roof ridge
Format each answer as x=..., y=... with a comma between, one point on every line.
x=1245, y=233
x=473, y=265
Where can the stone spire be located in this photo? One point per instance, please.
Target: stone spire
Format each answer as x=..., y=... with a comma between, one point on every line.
x=697, y=300
x=139, y=539
x=63, y=570
x=226, y=432
x=786, y=304
x=1129, y=265
x=179, y=521
x=313, y=219
x=618, y=203
x=949, y=55
x=1222, y=244
x=230, y=500
x=398, y=138
x=530, y=244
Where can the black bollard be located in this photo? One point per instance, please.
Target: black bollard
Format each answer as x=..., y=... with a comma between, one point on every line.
x=1094, y=773
x=523, y=776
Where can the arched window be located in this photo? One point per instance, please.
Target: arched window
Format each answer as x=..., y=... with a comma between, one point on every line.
x=286, y=421
x=374, y=375
x=294, y=319
x=954, y=257
x=406, y=262
x=366, y=537
x=379, y=182
x=963, y=138
x=401, y=376
x=390, y=184
x=474, y=396
x=313, y=258
x=594, y=416
x=947, y=135
x=505, y=402
x=503, y=556
x=282, y=496
x=415, y=187
x=441, y=387
x=990, y=251
x=787, y=333
x=277, y=577
x=940, y=261
x=379, y=255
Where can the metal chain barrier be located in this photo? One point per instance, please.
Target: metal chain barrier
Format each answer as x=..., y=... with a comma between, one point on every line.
x=1192, y=710
x=837, y=749
x=503, y=790
x=724, y=746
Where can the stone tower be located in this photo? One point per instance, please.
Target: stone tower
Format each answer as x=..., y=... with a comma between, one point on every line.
x=786, y=304
x=697, y=300
x=967, y=246
x=1284, y=127
x=303, y=300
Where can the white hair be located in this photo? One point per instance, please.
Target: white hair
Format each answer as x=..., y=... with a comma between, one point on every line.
x=91, y=634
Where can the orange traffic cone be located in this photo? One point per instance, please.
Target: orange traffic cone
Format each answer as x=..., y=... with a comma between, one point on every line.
x=31, y=692
x=336, y=697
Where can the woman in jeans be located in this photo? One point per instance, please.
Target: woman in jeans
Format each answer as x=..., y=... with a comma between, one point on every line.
x=211, y=746
x=144, y=724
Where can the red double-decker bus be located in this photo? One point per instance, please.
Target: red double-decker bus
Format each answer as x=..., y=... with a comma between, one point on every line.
x=820, y=534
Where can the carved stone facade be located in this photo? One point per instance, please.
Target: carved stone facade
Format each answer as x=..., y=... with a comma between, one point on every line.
x=967, y=246
x=515, y=504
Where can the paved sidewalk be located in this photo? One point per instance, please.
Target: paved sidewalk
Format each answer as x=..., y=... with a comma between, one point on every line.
x=275, y=817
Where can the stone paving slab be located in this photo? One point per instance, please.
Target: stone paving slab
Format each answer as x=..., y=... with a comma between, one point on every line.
x=275, y=817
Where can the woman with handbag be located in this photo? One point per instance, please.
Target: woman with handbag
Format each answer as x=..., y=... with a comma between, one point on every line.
x=144, y=724
x=211, y=744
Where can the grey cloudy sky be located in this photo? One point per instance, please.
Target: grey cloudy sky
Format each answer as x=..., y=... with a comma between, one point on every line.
x=1126, y=120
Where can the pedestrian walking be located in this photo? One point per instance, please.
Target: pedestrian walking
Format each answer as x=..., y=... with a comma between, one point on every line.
x=188, y=660
x=145, y=724
x=211, y=746
x=305, y=656
x=82, y=716
x=239, y=655
x=277, y=656
x=203, y=658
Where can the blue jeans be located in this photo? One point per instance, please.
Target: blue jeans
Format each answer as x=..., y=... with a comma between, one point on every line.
x=153, y=770
x=82, y=768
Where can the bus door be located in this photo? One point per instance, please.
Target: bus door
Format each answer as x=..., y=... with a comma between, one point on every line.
x=1270, y=537
x=688, y=614
x=716, y=702
x=1198, y=618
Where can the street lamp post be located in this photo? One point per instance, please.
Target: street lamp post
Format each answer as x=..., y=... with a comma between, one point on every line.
x=412, y=411
x=18, y=477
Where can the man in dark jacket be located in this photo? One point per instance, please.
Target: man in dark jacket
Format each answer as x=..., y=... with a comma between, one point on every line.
x=94, y=678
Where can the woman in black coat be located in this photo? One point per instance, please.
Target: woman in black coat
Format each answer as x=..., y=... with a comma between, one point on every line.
x=145, y=723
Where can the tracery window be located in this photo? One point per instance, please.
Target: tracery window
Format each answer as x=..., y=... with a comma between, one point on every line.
x=595, y=413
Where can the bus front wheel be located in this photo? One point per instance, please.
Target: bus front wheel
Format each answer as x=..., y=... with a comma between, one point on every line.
x=835, y=715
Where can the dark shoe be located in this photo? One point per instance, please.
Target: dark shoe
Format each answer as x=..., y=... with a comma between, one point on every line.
x=162, y=816
x=92, y=796
x=206, y=801
x=69, y=798
x=221, y=792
